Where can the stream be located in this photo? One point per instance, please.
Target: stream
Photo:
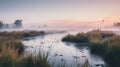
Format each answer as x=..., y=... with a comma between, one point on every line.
x=62, y=52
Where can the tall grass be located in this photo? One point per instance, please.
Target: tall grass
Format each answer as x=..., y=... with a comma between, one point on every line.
x=109, y=49
x=10, y=58
x=13, y=39
x=12, y=49
x=40, y=60
x=103, y=43
x=12, y=43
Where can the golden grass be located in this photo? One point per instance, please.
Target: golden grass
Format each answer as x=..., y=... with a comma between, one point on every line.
x=11, y=51
x=104, y=43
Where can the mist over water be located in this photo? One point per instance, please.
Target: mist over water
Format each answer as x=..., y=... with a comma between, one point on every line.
x=45, y=27
x=63, y=51
x=58, y=18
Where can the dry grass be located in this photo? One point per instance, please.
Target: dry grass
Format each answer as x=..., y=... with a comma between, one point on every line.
x=21, y=34
x=11, y=51
x=10, y=58
x=104, y=43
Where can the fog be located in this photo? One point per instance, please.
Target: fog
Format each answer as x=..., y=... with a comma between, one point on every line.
x=55, y=27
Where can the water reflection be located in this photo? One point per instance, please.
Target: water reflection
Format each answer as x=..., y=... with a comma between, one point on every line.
x=62, y=52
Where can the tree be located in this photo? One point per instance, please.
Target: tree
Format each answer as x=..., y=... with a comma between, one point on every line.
x=1, y=24
x=18, y=23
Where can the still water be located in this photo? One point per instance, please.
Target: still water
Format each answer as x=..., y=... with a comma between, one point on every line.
x=62, y=52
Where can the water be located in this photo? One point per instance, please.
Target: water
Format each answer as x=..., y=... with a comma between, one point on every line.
x=62, y=52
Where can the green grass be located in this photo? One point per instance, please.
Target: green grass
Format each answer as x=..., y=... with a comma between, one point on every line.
x=79, y=38
x=103, y=43
x=40, y=60
x=109, y=49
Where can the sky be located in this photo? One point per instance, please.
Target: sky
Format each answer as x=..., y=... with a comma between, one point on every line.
x=60, y=11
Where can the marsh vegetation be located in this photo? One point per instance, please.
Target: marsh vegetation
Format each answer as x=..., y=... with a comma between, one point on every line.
x=103, y=43
x=12, y=52
x=12, y=49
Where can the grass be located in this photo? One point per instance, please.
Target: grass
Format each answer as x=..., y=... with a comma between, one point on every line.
x=12, y=49
x=103, y=43
x=13, y=39
x=21, y=34
x=10, y=58
x=40, y=60
x=109, y=49
x=79, y=38
x=12, y=43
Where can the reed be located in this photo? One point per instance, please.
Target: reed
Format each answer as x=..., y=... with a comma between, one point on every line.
x=12, y=49
x=103, y=43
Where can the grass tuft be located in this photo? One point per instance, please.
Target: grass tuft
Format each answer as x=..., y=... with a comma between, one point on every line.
x=103, y=43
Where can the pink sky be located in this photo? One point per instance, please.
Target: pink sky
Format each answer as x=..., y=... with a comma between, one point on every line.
x=60, y=12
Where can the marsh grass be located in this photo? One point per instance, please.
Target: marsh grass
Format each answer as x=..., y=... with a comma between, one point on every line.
x=103, y=43
x=86, y=64
x=79, y=38
x=40, y=60
x=12, y=43
x=14, y=39
x=10, y=58
x=12, y=49
x=21, y=34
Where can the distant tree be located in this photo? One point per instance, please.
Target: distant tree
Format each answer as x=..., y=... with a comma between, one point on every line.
x=18, y=23
x=1, y=24
x=116, y=24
